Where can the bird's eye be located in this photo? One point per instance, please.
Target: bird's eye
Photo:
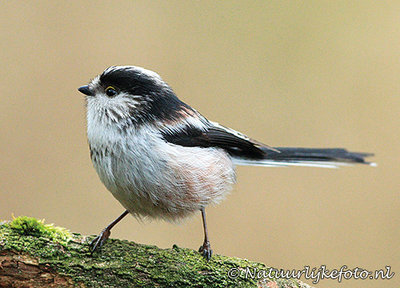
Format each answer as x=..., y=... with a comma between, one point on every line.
x=110, y=91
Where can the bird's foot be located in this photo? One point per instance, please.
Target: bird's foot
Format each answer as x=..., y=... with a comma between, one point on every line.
x=99, y=241
x=205, y=250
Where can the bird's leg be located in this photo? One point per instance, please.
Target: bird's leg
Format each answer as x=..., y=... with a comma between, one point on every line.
x=205, y=249
x=103, y=236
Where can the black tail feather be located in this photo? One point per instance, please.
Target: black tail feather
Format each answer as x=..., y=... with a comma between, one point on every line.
x=287, y=154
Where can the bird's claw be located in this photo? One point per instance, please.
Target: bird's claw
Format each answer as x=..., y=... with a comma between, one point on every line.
x=99, y=241
x=205, y=250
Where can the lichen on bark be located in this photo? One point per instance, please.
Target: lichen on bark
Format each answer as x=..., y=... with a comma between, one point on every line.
x=33, y=254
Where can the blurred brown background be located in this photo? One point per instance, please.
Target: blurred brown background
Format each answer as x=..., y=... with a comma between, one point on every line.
x=288, y=73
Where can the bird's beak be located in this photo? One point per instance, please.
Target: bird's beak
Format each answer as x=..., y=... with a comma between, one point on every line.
x=86, y=90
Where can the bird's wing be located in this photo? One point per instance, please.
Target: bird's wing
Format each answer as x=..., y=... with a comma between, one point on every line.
x=211, y=134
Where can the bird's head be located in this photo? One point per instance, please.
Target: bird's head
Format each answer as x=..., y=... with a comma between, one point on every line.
x=129, y=95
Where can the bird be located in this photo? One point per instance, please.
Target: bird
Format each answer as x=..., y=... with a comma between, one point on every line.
x=162, y=159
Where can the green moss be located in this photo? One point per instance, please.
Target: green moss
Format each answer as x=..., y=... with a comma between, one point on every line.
x=30, y=226
x=121, y=263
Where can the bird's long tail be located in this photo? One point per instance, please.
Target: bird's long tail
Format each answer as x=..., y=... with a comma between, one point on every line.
x=314, y=157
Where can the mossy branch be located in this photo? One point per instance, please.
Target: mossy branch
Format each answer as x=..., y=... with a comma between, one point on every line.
x=33, y=254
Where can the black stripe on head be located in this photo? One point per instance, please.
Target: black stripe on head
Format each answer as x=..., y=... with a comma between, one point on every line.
x=130, y=79
x=158, y=99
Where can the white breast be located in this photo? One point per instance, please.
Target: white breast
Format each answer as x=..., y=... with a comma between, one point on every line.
x=151, y=177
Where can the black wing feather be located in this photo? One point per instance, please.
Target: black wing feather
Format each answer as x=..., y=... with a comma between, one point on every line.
x=214, y=136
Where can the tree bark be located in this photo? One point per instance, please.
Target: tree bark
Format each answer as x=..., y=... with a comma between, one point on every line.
x=33, y=254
